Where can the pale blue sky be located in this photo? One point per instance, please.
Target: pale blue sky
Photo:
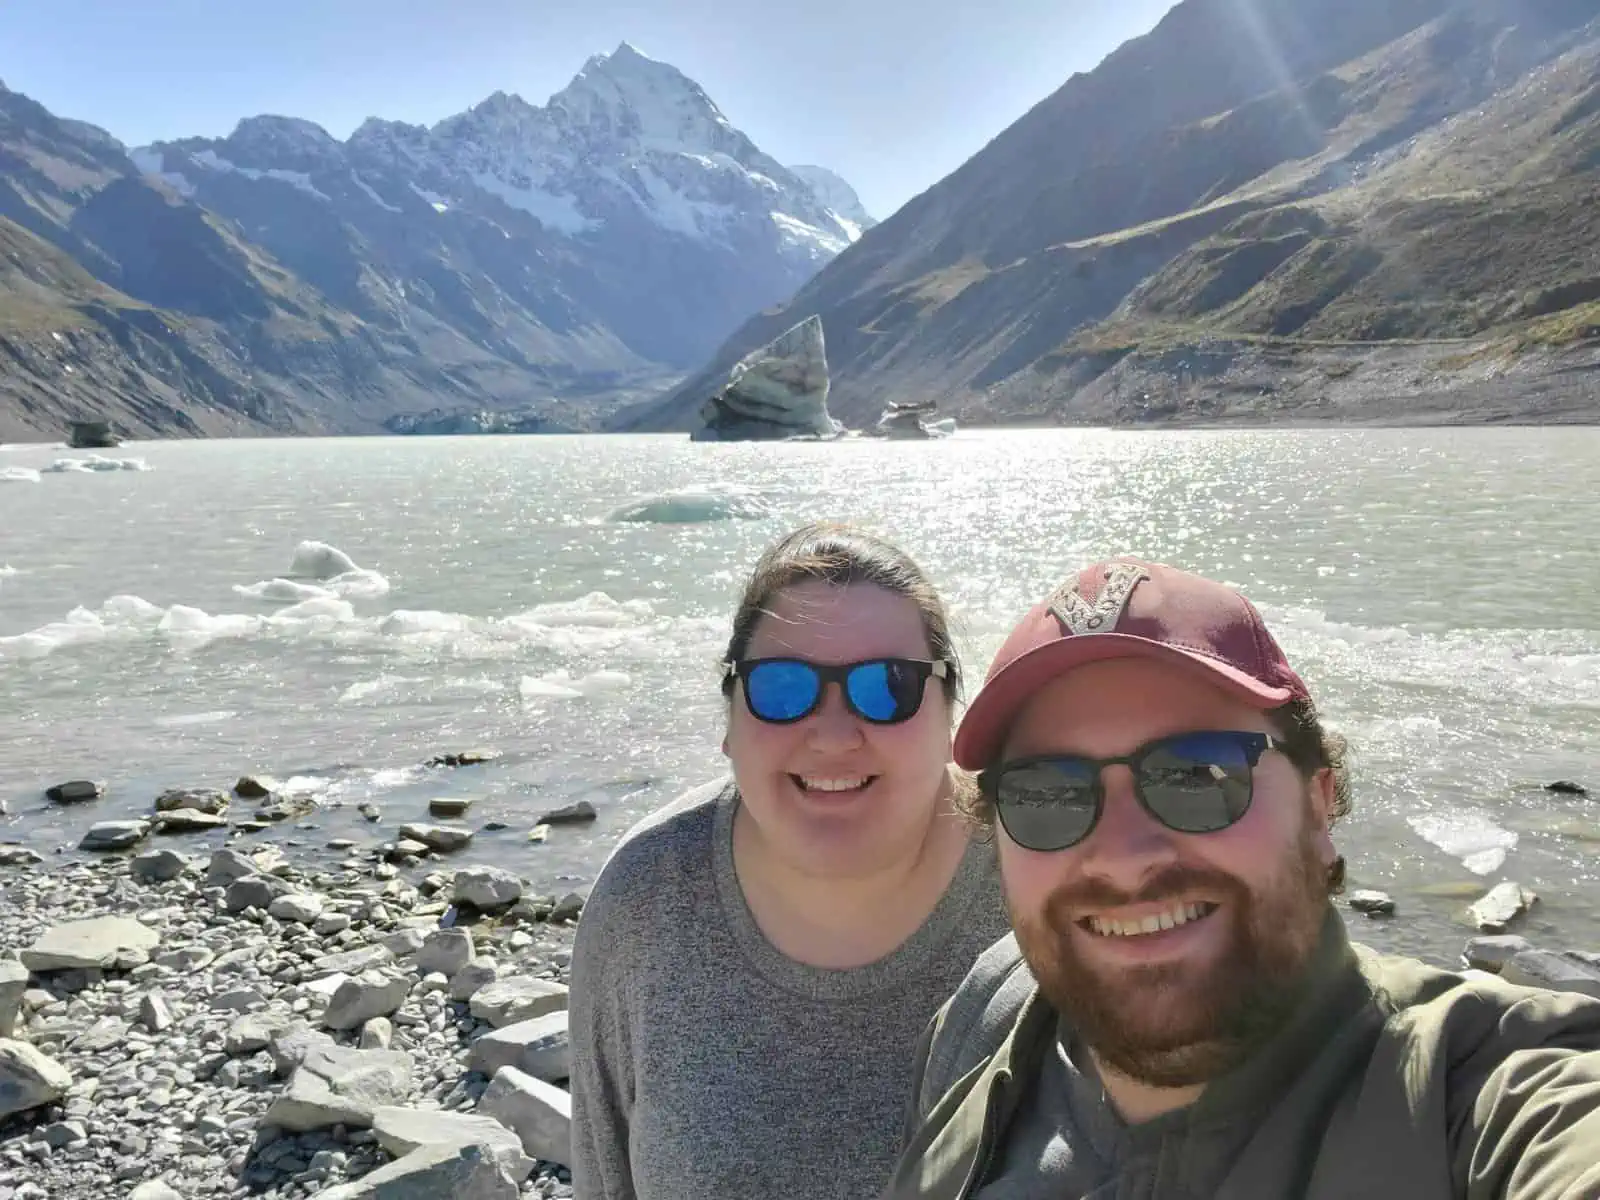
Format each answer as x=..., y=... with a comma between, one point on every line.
x=892, y=94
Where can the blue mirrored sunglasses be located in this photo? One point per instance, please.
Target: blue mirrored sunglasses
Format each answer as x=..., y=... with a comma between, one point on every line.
x=883, y=691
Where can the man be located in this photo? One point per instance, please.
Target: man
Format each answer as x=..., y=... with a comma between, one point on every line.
x=1179, y=1013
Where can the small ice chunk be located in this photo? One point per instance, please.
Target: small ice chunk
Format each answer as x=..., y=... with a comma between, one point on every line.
x=283, y=591
x=318, y=560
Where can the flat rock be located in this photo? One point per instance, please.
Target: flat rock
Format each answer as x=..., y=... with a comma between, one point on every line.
x=403, y=943
x=572, y=814
x=540, y=1047
x=102, y=1035
x=254, y=891
x=303, y=908
x=257, y=1031
x=159, y=866
x=114, y=835
x=568, y=908
x=472, y=978
x=228, y=866
x=1549, y=969
x=98, y=942
x=1500, y=906
x=1492, y=952
x=376, y=993
x=445, y=951
x=486, y=888
x=539, y=1113
x=432, y=1173
x=340, y=1085
x=254, y=787
x=1566, y=787
x=442, y=839
x=449, y=806
x=75, y=791
x=155, y=1189
x=289, y=1048
x=187, y=820
x=19, y=856
x=1374, y=904
x=206, y=800
x=13, y=985
x=155, y=1013
x=353, y=962
x=29, y=1078
x=518, y=998
x=402, y=1130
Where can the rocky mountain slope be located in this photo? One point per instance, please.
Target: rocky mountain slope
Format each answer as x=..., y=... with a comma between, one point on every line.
x=1290, y=208
x=544, y=262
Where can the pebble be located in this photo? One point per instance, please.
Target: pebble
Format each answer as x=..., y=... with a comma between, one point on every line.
x=170, y=1021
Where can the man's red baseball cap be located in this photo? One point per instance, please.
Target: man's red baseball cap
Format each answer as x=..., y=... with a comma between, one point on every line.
x=1128, y=608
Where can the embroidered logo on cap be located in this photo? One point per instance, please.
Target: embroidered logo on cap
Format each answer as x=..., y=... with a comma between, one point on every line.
x=1101, y=616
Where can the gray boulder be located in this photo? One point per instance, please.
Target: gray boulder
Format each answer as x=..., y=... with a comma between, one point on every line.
x=402, y=1130
x=779, y=391
x=99, y=942
x=29, y=1078
x=159, y=866
x=1548, y=969
x=445, y=951
x=76, y=791
x=205, y=800
x=360, y=998
x=1500, y=906
x=339, y=1085
x=114, y=835
x=486, y=888
x=519, y=998
x=433, y=1172
x=539, y=1113
x=13, y=982
x=441, y=839
x=254, y=891
x=540, y=1047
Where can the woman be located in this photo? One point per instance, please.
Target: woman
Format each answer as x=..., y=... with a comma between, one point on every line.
x=756, y=961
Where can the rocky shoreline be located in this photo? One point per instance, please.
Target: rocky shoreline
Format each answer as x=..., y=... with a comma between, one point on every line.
x=177, y=1026
x=235, y=1024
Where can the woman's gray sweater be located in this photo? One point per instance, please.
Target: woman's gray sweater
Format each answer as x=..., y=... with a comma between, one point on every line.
x=706, y=1064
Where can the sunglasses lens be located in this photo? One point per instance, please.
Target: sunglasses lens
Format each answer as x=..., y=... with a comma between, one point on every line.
x=781, y=691
x=1198, y=783
x=1047, y=805
x=886, y=691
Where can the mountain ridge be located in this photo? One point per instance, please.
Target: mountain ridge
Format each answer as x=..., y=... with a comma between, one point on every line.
x=515, y=259
x=1255, y=194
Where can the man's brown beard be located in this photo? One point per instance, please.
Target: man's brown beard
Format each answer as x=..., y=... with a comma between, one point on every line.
x=1175, y=1025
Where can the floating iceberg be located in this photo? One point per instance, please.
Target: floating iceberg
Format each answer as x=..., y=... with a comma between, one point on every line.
x=95, y=462
x=693, y=506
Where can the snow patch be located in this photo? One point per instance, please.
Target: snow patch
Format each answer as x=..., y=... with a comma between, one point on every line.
x=19, y=475
x=560, y=213
x=437, y=201
x=297, y=179
x=677, y=213
x=372, y=195
x=794, y=232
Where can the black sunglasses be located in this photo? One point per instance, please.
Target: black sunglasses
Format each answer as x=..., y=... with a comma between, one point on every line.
x=1197, y=782
x=884, y=691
